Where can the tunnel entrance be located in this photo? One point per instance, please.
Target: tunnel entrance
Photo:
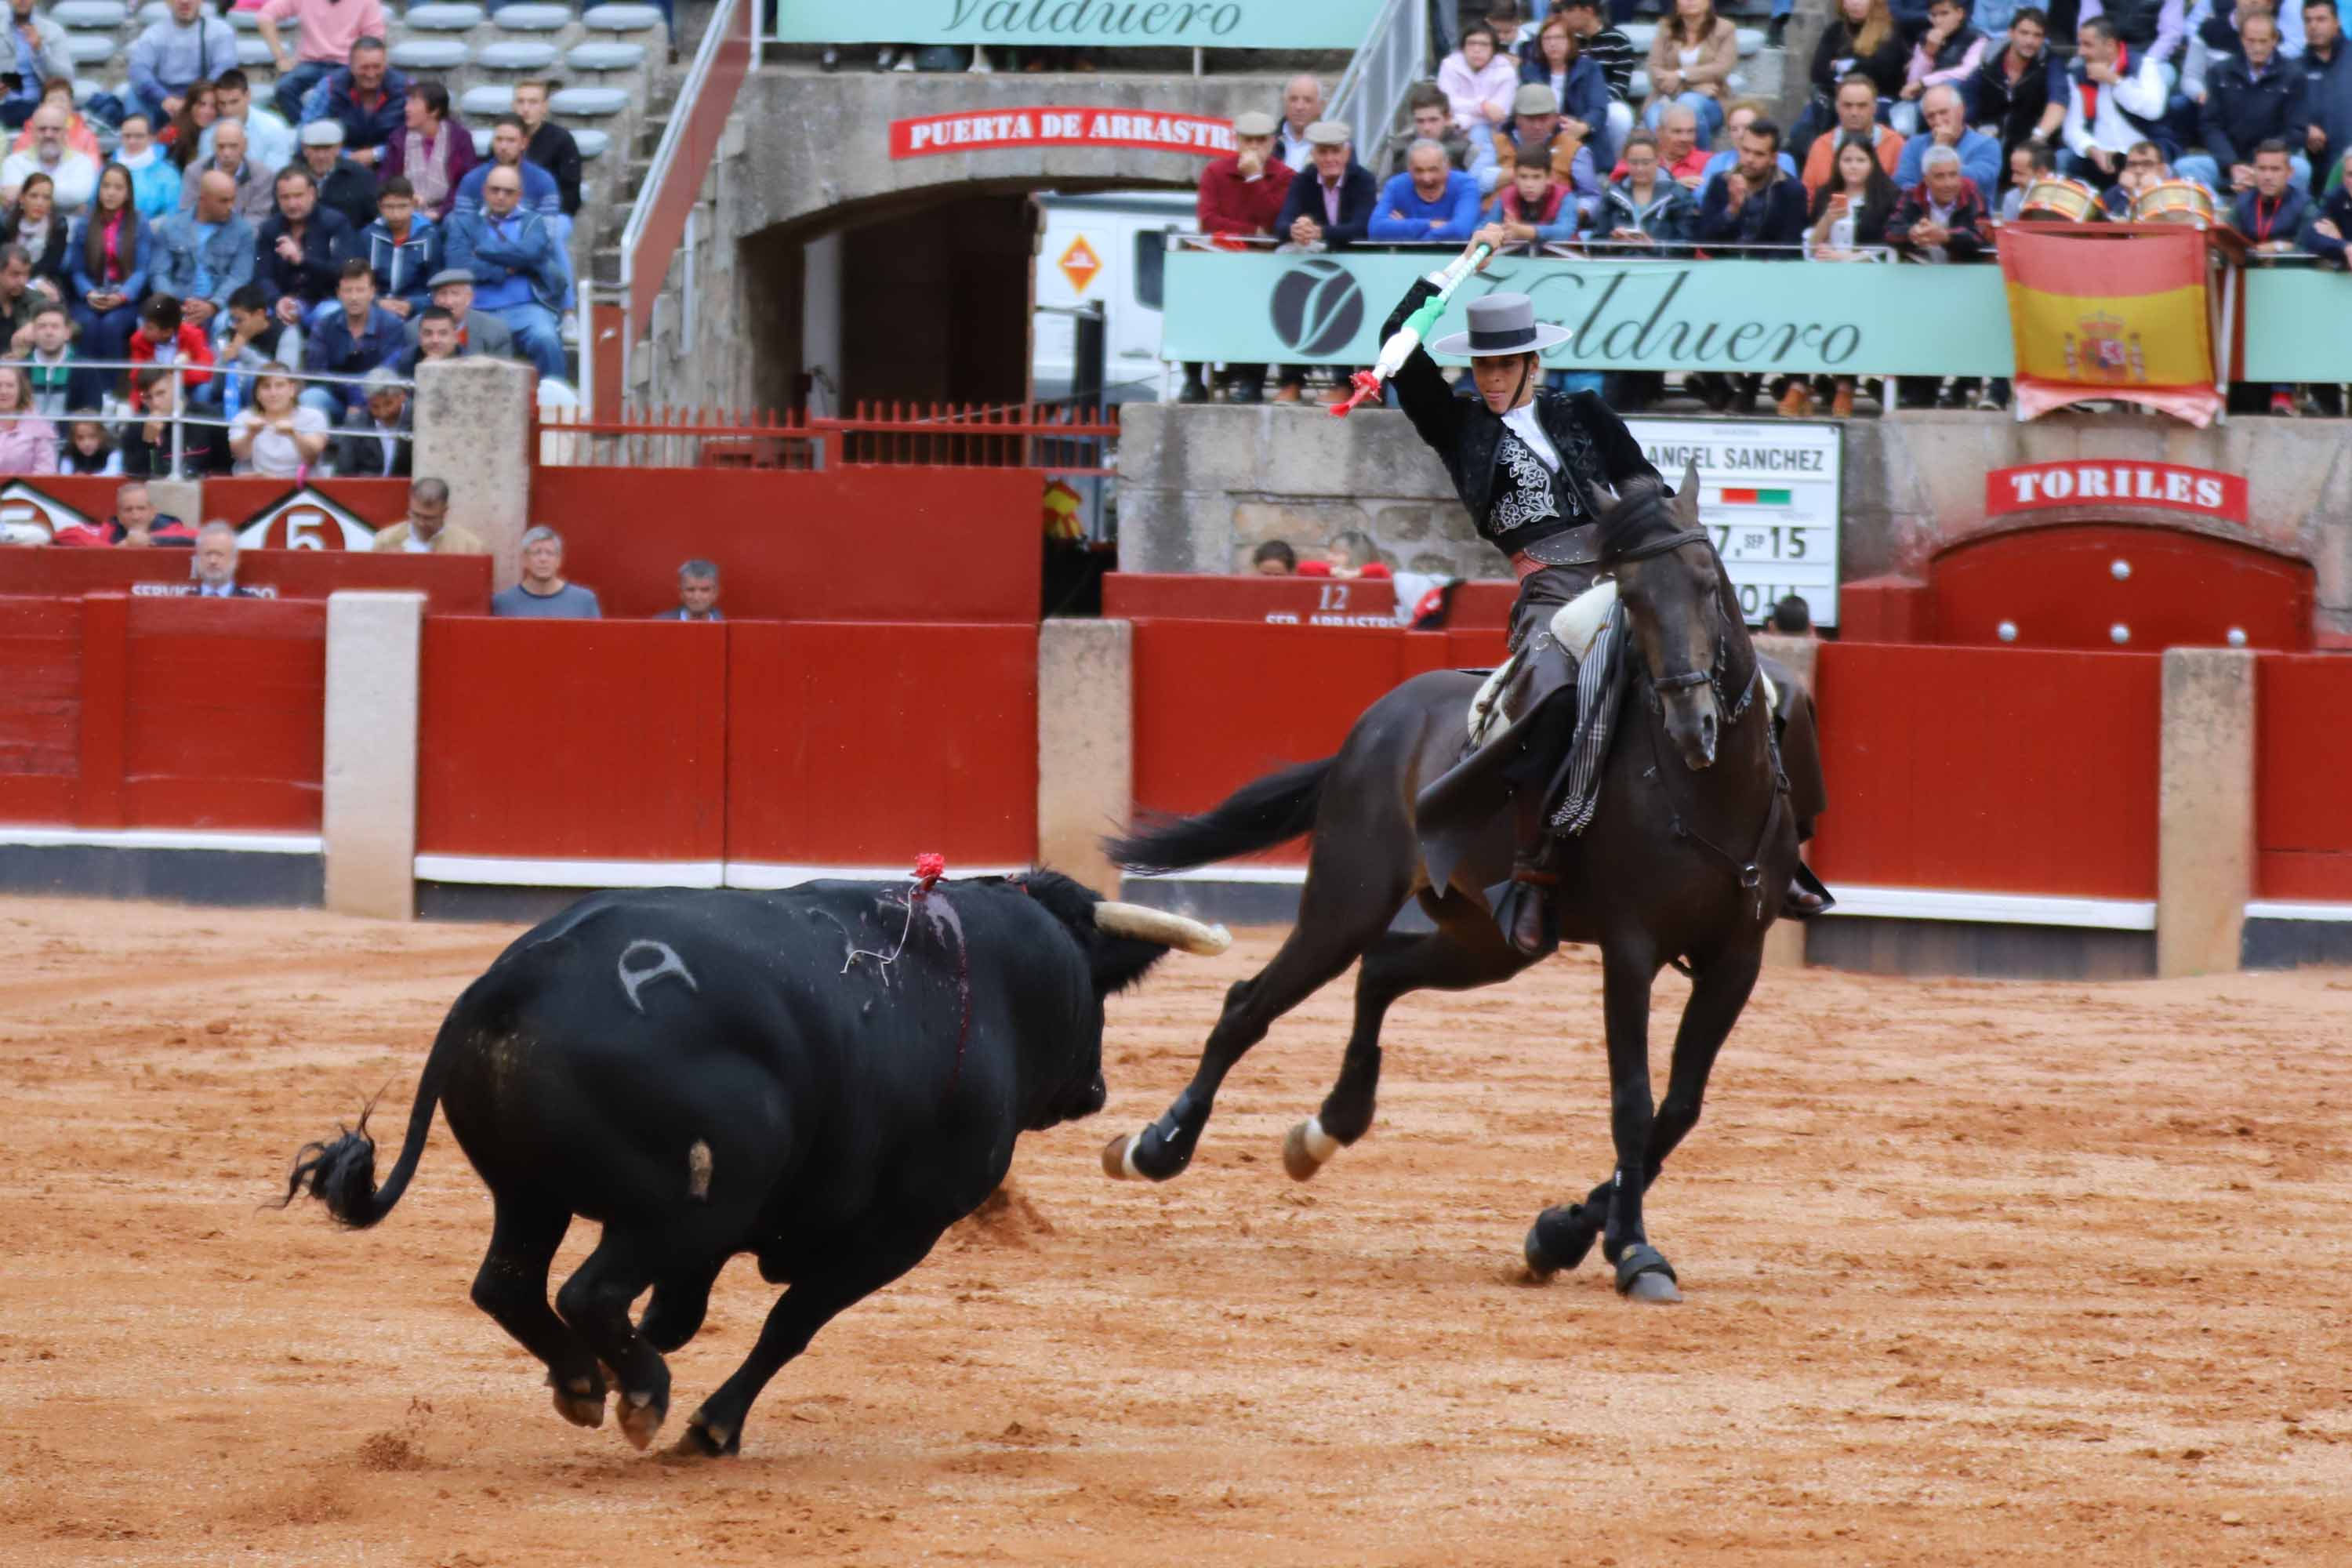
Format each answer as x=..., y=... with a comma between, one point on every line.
x=925, y=305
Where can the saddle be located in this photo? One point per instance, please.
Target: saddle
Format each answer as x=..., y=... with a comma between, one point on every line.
x=1521, y=731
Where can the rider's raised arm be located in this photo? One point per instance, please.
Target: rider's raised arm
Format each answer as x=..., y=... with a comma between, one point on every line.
x=1421, y=389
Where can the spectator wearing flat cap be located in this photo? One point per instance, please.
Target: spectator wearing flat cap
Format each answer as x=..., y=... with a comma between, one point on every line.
x=374, y=442
x=478, y=331
x=1329, y=207
x=1241, y=195
x=343, y=185
x=1580, y=117
x=1577, y=158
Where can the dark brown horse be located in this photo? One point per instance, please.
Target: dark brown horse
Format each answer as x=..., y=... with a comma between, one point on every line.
x=1683, y=859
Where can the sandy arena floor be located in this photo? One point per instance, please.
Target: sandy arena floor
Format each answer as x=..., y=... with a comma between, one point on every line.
x=1977, y=1273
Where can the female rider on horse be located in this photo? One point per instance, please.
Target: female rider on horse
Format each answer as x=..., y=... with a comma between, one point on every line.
x=1524, y=459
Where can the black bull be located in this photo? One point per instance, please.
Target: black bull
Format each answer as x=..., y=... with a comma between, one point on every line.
x=823, y=1078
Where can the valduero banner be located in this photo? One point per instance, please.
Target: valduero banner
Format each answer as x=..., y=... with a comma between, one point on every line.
x=2111, y=318
x=1096, y=23
x=1679, y=314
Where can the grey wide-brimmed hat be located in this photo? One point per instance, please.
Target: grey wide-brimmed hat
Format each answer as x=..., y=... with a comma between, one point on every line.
x=1501, y=324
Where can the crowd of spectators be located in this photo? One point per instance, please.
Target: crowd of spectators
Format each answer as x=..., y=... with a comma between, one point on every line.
x=1922, y=130
x=291, y=259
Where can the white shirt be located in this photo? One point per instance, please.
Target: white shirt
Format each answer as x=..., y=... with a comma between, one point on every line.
x=275, y=455
x=74, y=179
x=415, y=546
x=1524, y=424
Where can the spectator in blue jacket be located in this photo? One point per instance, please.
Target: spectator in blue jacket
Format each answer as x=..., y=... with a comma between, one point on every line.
x=300, y=249
x=113, y=249
x=154, y=178
x=541, y=193
x=1947, y=118
x=1431, y=200
x=184, y=47
x=1331, y=205
x=367, y=98
x=1535, y=207
x=2326, y=85
x=38, y=53
x=2331, y=220
x=351, y=340
x=403, y=248
x=205, y=253
x=2271, y=212
x=520, y=274
x=2250, y=99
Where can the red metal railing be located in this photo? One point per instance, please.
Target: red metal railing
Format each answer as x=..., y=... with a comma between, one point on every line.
x=1062, y=440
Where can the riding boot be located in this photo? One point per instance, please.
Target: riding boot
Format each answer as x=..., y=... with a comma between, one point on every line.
x=1530, y=923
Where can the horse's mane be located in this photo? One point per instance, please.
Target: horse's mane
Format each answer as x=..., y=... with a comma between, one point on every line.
x=1643, y=512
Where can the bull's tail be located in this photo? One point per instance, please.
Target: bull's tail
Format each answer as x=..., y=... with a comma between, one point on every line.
x=1258, y=816
x=340, y=1173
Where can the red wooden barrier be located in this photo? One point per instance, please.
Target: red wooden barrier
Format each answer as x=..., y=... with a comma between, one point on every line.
x=1218, y=704
x=452, y=584
x=868, y=744
x=224, y=723
x=2303, y=834
x=572, y=740
x=1990, y=770
x=40, y=707
x=162, y=712
x=2059, y=587
x=895, y=545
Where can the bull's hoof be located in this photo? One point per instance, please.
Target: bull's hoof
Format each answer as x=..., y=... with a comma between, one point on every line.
x=1559, y=1240
x=1119, y=1159
x=641, y=1416
x=1645, y=1275
x=581, y=1402
x=701, y=1441
x=1306, y=1148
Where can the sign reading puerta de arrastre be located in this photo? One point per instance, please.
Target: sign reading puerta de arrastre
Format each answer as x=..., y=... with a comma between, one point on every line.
x=1098, y=24
x=987, y=130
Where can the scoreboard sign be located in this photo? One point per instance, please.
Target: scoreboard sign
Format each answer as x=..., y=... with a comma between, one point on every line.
x=1769, y=493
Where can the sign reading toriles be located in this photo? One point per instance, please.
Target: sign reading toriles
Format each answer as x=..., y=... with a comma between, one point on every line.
x=2167, y=487
x=984, y=131
x=1770, y=496
x=1101, y=24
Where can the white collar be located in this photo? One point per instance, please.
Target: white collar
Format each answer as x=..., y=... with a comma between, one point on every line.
x=1529, y=429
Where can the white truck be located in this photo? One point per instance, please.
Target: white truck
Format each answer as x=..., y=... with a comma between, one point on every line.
x=1109, y=250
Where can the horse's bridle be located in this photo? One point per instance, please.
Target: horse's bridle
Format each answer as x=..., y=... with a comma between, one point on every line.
x=1748, y=868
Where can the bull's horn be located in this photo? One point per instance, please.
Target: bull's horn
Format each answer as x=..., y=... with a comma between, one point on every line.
x=1159, y=926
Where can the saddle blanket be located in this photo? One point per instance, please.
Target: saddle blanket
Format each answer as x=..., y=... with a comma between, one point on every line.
x=1574, y=625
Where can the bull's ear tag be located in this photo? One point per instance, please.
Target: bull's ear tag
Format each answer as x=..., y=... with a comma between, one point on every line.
x=665, y=961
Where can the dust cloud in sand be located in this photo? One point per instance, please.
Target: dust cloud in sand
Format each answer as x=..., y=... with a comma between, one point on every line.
x=1977, y=1273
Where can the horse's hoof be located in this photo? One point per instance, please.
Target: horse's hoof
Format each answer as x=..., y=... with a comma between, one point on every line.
x=700, y=1442
x=641, y=1416
x=1305, y=1148
x=1559, y=1240
x=1645, y=1275
x=1119, y=1159
x=581, y=1403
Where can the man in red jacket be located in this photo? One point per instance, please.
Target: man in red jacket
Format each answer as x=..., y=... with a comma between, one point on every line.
x=1241, y=195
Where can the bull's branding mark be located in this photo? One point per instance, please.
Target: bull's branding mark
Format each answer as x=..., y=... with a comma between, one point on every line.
x=698, y=1172
x=666, y=961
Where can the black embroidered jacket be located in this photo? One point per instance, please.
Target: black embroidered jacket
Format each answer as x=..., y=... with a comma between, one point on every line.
x=1513, y=499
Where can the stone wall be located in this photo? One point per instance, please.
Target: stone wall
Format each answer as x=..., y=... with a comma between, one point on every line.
x=1202, y=485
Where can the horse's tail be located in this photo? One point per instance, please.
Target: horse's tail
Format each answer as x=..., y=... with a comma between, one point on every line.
x=1258, y=816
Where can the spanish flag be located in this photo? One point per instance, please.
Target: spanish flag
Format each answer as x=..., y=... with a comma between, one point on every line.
x=2098, y=313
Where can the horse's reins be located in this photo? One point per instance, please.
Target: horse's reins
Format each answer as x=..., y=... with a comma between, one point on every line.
x=1751, y=877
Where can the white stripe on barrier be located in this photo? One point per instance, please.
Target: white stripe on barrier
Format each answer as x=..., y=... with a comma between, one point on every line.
x=761, y=876
x=1995, y=908
x=496, y=872
x=161, y=838
x=2295, y=909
